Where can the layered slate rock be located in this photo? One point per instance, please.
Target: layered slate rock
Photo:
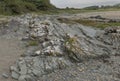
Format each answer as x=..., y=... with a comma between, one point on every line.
x=111, y=37
x=59, y=45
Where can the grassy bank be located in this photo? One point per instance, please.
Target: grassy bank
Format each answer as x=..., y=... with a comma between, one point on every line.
x=13, y=7
x=16, y=7
x=88, y=22
x=100, y=25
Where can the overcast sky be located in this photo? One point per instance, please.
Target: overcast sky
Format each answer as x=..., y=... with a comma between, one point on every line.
x=82, y=3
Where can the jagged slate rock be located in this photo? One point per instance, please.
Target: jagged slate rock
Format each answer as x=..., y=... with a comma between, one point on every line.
x=112, y=29
x=20, y=59
x=36, y=62
x=15, y=75
x=62, y=63
x=111, y=35
x=47, y=66
x=96, y=17
x=13, y=68
x=58, y=49
x=22, y=67
x=26, y=78
x=5, y=75
x=29, y=71
x=45, y=44
x=37, y=73
x=25, y=38
x=38, y=52
x=37, y=68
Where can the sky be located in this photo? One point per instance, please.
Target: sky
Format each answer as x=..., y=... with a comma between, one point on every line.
x=82, y=3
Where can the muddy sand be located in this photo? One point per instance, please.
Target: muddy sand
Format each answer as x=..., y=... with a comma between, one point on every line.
x=10, y=51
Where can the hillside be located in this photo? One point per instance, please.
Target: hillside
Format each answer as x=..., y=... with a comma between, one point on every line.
x=10, y=7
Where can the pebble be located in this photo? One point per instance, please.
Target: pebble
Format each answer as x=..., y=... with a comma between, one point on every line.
x=5, y=75
x=38, y=52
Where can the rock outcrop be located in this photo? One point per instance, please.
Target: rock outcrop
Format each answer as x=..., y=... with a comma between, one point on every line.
x=111, y=36
x=59, y=45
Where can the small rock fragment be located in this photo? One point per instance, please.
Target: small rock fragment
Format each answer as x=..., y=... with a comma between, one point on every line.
x=26, y=78
x=5, y=75
x=38, y=52
x=15, y=75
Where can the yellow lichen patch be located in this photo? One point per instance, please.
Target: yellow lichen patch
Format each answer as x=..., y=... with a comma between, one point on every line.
x=72, y=45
